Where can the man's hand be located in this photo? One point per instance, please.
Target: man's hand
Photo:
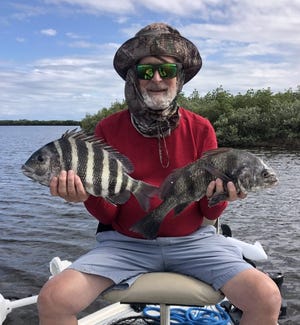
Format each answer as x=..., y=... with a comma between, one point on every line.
x=68, y=186
x=217, y=187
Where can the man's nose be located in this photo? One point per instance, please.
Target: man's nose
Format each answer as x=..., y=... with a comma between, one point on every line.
x=156, y=76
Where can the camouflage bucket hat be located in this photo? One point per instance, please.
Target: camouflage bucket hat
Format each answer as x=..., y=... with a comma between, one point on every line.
x=158, y=39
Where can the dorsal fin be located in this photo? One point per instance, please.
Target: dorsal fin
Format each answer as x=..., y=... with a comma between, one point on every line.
x=101, y=145
x=214, y=152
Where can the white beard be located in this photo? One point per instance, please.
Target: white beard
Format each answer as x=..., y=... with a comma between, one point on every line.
x=158, y=102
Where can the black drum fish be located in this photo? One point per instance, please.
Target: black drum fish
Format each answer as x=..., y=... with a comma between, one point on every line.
x=189, y=183
x=102, y=170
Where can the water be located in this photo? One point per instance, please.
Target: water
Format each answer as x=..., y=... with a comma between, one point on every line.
x=35, y=227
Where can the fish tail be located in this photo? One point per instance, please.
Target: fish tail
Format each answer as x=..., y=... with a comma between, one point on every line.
x=148, y=226
x=143, y=192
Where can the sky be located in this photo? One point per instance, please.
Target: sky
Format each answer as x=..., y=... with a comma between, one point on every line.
x=56, y=55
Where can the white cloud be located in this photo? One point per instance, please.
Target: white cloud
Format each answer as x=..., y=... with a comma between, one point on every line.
x=59, y=88
x=20, y=39
x=99, y=7
x=26, y=11
x=74, y=35
x=49, y=32
x=244, y=44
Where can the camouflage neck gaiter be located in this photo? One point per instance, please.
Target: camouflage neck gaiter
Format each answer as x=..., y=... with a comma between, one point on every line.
x=149, y=122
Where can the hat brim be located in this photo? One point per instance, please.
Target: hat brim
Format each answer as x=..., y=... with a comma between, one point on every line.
x=141, y=46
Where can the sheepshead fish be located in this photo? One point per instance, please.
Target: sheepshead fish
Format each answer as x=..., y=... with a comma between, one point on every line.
x=189, y=183
x=102, y=170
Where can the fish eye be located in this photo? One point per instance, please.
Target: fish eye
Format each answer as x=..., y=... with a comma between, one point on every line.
x=40, y=158
x=265, y=173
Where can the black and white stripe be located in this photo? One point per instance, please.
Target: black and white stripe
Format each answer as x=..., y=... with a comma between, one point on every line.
x=103, y=170
x=65, y=152
x=95, y=169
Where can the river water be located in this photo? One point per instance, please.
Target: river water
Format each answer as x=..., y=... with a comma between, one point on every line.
x=35, y=227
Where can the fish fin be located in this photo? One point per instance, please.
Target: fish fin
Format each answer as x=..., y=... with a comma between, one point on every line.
x=101, y=144
x=126, y=163
x=217, y=198
x=216, y=172
x=216, y=151
x=180, y=207
x=147, y=226
x=119, y=198
x=143, y=193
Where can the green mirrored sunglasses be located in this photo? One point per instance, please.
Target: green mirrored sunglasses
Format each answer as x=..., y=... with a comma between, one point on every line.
x=165, y=70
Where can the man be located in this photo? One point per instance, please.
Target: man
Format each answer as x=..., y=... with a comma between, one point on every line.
x=158, y=137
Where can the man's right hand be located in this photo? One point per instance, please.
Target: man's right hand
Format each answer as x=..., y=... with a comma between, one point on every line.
x=68, y=186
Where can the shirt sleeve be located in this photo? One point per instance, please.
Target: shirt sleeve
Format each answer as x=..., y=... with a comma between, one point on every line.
x=213, y=212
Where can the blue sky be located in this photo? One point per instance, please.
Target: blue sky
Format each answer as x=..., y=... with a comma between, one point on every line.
x=56, y=55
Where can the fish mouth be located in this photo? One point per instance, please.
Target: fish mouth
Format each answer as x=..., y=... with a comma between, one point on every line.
x=272, y=180
x=27, y=171
x=274, y=183
x=30, y=173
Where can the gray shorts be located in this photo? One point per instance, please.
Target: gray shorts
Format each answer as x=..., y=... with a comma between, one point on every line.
x=205, y=255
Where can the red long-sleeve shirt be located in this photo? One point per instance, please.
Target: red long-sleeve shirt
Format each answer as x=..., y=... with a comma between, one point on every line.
x=193, y=136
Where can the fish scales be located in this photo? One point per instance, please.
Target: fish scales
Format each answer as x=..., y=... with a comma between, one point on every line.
x=105, y=173
x=89, y=180
x=80, y=155
x=66, y=149
x=74, y=154
x=102, y=170
x=189, y=183
x=59, y=152
x=113, y=176
x=97, y=176
x=119, y=187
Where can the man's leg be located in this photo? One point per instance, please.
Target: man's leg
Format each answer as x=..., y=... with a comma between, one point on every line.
x=257, y=295
x=66, y=294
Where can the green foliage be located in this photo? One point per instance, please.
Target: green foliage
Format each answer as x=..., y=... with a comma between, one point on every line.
x=89, y=122
x=37, y=122
x=261, y=118
x=256, y=118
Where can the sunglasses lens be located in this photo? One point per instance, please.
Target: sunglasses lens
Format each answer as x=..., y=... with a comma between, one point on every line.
x=145, y=71
x=165, y=70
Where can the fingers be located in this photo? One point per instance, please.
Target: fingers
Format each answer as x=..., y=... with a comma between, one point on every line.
x=53, y=186
x=210, y=189
x=68, y=185
x=82, y=195
x=232, y=193
x=218, y=187
x=214, y=187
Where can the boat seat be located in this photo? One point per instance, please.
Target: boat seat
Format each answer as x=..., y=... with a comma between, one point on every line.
x=165, y=289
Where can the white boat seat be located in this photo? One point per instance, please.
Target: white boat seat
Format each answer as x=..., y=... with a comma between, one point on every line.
x=165, y=289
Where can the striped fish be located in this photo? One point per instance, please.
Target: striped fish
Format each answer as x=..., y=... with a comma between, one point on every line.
x=188, y=184
x=102, y=170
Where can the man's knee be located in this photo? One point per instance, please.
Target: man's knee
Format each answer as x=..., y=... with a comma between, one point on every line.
x=253, y=290
x=49, y=299
x=56, y=295
x=271, y=297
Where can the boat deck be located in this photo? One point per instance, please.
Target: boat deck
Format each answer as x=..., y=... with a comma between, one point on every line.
x=112, y=313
